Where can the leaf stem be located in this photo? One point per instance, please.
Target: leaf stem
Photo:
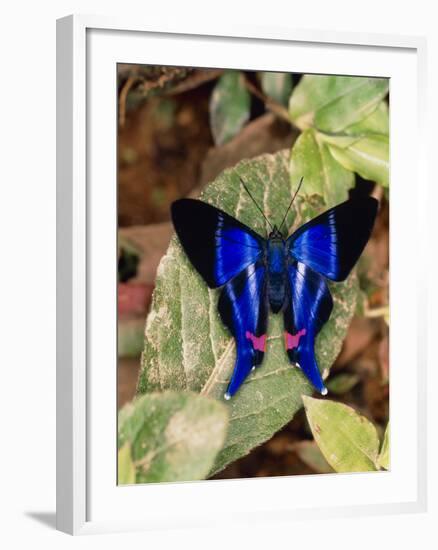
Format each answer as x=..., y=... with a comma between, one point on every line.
x=123, y=95
x=270, y=103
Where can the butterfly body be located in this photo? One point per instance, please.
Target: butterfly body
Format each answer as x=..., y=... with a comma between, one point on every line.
x=287, y=275
x=276, y=261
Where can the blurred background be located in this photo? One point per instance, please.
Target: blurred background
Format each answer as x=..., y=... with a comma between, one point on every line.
x=172, y=140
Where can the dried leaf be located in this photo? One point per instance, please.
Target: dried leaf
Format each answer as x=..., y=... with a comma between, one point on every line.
x=150, y=242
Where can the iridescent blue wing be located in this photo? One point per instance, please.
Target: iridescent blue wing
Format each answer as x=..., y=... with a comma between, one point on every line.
x=308, y=307
x=331, y=243
x=218, y=245
x=327, y=246
x=226, y=252
x=243, y=307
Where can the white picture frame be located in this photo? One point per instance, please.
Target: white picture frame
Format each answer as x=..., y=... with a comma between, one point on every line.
x=88, y=499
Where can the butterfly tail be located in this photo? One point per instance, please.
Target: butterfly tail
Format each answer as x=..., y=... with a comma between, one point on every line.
x=309, y=366
x=243, y=308
x=245, y=361
x=308, y=308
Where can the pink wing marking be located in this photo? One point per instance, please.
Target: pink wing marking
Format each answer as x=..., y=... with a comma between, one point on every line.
x=258, y=342
x=292, y=340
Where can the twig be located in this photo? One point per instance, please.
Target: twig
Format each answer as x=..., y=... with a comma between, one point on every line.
x=276, y=108
x=376, y=312
x=194, y=80
x=123, y=95
x=377, y=192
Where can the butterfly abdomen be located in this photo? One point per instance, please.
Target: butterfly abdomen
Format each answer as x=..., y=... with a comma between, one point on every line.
x=276, y=259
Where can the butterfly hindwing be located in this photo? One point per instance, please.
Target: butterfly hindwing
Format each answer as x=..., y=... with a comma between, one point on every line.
x=327, y=246
x=218, y=245
x=308, y=308
x=332, y=242
x=243, y=307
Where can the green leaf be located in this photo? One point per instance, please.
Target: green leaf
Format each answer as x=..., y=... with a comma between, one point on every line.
x=342, y=383
x=309, y=453
x=383, y=460
x=130, y=337
x=376, y=123
x=348, y=440
x=125, y=466
x=368, y=156
x=277, y=85
x=230, y=105
x=332, y=103
x=170, y=437
x=312, y=160
x=187, y=347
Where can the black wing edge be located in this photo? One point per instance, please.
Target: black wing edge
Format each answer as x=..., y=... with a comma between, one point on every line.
x=195, y=223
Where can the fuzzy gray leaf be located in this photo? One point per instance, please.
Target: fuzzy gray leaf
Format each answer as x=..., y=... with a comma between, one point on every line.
x=188, y=348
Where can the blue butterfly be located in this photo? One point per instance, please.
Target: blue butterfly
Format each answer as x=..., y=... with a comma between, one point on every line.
x=285, y=274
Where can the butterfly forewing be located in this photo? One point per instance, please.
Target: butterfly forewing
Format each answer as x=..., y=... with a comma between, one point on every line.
x=218, y=245
x=332, y=242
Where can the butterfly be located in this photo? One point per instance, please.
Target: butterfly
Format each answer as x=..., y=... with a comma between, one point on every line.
x=284, y=274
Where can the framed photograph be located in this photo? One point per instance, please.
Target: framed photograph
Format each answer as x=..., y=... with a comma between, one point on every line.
x=235, y=336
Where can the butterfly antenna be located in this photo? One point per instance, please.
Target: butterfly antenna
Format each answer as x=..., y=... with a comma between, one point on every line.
x=254, y=201
x=291, y=202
